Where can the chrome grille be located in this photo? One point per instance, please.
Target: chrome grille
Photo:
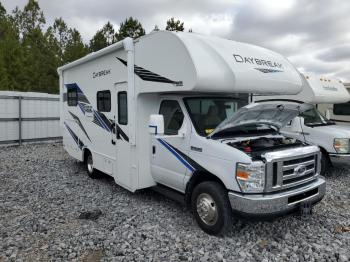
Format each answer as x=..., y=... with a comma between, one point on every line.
x=289, y=171
x=298, y=169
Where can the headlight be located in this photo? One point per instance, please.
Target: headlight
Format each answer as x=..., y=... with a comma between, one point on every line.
x=251, y=177
x=341, y=145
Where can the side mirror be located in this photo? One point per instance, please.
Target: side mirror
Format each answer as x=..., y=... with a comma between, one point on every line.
x=296, y=125
x=156, y=125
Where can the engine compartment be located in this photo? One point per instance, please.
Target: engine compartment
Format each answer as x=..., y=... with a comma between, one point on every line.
x=256, y=147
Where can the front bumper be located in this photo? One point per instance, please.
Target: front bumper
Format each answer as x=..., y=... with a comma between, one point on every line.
x=339, y=158
x=278, y=202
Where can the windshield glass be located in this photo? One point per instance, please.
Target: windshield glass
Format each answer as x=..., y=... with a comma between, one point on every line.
x=208, y=112
x=314, y=117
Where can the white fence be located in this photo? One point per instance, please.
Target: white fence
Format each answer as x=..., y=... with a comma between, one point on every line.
x=28, y=116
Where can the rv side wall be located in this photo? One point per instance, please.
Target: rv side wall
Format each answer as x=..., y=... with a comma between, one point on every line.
x=87, y=120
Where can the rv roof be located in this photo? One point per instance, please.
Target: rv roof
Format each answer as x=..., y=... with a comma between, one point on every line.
x=209, y=64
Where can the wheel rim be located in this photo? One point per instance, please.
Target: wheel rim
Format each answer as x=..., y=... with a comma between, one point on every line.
x=90, y=164
x=207, y=209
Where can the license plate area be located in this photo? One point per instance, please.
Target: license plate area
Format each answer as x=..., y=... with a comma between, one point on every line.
x=300, y=197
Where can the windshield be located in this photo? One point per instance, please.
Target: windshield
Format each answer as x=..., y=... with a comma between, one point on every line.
x=313, y=117
x=208, y=112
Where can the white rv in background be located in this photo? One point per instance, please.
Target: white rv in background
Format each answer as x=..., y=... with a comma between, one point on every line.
x=339, y=113
x=314, y=127
x=162, y=112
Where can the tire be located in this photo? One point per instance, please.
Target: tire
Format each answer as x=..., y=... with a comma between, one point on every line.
x=211, y=208
x=89, y=163
x=325, y=163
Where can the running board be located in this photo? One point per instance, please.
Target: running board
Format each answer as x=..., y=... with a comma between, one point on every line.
x=169, y=193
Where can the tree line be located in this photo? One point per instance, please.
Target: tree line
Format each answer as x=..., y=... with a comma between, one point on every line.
x=31, y=51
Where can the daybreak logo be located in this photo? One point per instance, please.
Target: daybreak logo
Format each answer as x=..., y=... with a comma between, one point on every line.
x=101, y=73
x=257, y=61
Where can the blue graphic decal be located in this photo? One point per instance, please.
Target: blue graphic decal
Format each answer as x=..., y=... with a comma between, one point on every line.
x=74, y=136
x=178, y=156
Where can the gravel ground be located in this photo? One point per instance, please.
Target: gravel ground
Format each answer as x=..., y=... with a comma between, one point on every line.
x=43, y=193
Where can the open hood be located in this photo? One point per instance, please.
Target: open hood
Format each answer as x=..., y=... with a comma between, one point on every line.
x=276, y=114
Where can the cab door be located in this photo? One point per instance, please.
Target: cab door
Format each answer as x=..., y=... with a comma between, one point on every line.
x=169, y=150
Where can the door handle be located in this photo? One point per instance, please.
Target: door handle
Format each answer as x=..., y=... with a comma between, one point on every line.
x=153, y=150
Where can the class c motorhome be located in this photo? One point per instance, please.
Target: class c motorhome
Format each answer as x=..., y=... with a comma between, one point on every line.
x=314, y=127
x=162, y=112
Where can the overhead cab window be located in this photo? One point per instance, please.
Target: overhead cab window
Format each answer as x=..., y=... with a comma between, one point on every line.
x=72, y=97
x=173, y=116
x=104, y=101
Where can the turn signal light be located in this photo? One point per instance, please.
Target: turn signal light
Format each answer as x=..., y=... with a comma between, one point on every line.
x=242, y=175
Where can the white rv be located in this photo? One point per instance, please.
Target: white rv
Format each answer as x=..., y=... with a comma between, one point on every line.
x=162, y=112
x=314, y=127
x=339, y=112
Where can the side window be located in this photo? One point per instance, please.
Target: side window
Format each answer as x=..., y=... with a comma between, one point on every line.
x=341, y=109
x=122, y=108
x=173, y=116
x=72, y=97
x=104, y=101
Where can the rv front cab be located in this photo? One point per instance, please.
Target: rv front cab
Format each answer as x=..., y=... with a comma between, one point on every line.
x=230, y=157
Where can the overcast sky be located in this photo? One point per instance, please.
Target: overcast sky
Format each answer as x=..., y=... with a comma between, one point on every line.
x=313, y=34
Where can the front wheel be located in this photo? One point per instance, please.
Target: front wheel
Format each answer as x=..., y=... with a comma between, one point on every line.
x=92, y=172
x=211, y=208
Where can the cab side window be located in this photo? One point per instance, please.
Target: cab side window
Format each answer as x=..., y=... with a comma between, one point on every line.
x=173, y=116
x=341, y=109
x=104, y=101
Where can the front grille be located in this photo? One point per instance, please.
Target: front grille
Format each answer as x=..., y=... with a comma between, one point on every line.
x=298, y=160
x=291, y=171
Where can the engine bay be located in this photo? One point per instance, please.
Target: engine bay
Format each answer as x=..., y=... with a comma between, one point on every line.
x=257, y=146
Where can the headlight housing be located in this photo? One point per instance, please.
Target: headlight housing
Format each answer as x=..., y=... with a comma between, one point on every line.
x=341, y=145
x=251, y=177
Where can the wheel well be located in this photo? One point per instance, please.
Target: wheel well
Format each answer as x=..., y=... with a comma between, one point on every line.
x=324, y=151
x=86, y=152
x=197, y=178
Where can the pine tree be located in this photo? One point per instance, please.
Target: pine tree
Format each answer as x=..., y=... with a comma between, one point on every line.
x=60, y=32
x=130, y=28
x=172, y=25
x=2, y=11
x=98, y=41
x=11, y=54
x=75, y=48
x=102, y=38
x=40, y=52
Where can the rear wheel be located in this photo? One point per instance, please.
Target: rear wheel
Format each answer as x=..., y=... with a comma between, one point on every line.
x=325, y=163
x=92, y=172
x=211, y=208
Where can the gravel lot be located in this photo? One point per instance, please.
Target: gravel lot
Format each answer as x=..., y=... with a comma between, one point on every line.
x=43, y=192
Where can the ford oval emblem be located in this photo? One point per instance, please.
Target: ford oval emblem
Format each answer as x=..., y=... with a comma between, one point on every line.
x=300, y=170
